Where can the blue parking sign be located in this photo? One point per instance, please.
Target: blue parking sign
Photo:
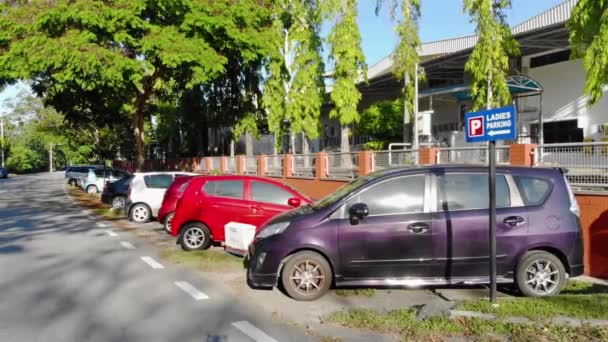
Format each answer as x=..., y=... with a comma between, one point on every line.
x=491, y=125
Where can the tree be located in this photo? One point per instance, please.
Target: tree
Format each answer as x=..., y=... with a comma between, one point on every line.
x=294, y=88
x=94, y=60
x=383, y=120
x=349, y=66
x=405, y=56
x=589, y=40
x=488, y=64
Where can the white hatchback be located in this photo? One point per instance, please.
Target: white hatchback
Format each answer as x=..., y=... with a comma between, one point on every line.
x=146, y=193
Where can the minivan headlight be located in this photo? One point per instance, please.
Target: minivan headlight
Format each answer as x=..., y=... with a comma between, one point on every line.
x=273, y=229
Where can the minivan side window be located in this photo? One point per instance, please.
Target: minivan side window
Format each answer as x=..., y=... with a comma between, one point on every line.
x=269, y=193
x=232, y=189
x=533, y=191
x=461, y=191
x=158, y=181
x=400, y=195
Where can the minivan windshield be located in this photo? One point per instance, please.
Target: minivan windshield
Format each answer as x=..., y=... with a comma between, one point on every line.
x=343, y=191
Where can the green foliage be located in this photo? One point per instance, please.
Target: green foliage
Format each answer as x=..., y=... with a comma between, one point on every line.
x=248, y=124
x=374, y=145
x=589, y=39
x=349, y=60
x=588, y=149
x=383, y=120
x=22, y=159
x=488, y=64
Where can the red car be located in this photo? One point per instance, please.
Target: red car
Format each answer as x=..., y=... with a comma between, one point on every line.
x=210, y=202
x=172, y=195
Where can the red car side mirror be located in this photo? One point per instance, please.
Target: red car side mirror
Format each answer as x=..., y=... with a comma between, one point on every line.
x=294, y=202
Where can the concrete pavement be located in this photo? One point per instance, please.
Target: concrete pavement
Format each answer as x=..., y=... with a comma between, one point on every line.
x=63, y=277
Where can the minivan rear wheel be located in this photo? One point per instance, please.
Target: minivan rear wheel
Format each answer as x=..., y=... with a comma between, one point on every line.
x=306, y=276
x=540, y=274
x=195, y=236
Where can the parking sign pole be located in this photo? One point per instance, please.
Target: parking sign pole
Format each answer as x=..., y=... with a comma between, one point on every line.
x=492, y=188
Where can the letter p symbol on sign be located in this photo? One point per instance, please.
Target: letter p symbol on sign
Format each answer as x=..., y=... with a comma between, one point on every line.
x=476, y=126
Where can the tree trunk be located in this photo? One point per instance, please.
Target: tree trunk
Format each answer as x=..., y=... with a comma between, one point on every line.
x=248, y=144
x=138, y=132
x=305, y=149
x=346, y=161
x=292, y=143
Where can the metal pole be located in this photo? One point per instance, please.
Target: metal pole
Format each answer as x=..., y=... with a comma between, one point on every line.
x=51, y=159
x=2, y=139
x=492, y=186
x=541, y=130
x=415, y=123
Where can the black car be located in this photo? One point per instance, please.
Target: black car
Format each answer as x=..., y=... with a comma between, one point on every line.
x=115, y=193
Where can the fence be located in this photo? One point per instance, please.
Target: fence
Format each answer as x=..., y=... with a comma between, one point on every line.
x=471, y=155
x=393, y=158
x=231, y=165
x=342, y=165
x=274, y=166
x=587, y=163
x=304, y=165
x=251, y=166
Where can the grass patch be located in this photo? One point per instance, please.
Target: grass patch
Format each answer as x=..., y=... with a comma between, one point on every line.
x=404, y=323
x=209, y=260
x=356, y=292
x=579, y=299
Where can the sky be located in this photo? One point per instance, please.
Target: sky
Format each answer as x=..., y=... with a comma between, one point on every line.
x=441, y=19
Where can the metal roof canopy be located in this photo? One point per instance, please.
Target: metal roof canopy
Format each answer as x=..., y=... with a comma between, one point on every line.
x=518, y=85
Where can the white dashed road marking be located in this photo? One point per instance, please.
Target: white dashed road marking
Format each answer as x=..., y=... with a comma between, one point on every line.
x=152, y=263
x=191, y=290
x=111, y=233
x=101, y=225
x=127, y=245
x=253, y=332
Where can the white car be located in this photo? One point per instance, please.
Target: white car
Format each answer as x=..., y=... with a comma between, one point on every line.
x=146, y=193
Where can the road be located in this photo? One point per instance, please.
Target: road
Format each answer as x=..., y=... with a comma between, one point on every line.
x=65, y=276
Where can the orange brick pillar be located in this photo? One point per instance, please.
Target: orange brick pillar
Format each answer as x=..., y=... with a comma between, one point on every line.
x=288, y=165
x=240, y=165
x=521, y=154
x=208, y=165
x=365, y=163
x=261, y=165
x=321, y=166
x=223, y=164
x=196, y=162
x=427, y=156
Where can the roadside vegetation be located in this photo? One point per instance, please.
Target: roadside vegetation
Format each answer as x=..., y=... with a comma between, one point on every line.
x=366, y=292
x=213, y=260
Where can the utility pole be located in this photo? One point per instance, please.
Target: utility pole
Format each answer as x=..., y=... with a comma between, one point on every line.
x=2, y=139
x=415, y=123
x=51, y=159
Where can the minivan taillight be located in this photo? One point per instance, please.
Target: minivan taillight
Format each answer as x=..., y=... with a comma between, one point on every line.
x=573, y=203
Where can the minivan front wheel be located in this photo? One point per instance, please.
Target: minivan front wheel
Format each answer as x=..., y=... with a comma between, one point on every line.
x=306, y=276
x=195, y=236
x=540, y=274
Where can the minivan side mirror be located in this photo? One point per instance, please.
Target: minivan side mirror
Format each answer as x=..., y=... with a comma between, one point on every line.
x=357, y=212
x=294, y=202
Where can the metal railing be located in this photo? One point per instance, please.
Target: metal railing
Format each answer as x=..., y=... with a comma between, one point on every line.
x=251, y=165
x=343, y=165
x=304, y=165
x=202, y=165
x=587, y=163
x=393, y=158
x=231, y=165
x=216, y=163
x=274, y=166
x=471, y=155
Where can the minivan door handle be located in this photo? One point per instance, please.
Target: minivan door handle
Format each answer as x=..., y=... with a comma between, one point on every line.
x=513, y=220
x=418, y=227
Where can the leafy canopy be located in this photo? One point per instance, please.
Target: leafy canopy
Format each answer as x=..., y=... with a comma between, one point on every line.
x=588, y=27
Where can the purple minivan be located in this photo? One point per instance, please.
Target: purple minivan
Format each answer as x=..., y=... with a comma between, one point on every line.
x=425, y=226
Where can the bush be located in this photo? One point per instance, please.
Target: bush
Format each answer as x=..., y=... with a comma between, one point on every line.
x=374, y=145
x=604, y=149
x=588, y=149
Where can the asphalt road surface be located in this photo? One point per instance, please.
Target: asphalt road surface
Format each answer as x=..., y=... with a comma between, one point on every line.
x=65, y=276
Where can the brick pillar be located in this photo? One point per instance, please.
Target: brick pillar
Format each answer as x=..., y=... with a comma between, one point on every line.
x=240, y=165
x=288, y=165
x=521, y=154
x=261, y=164
x=427, y=156
x=321, y=166
x=208, y=165
x=196, y=162
x=365, y=163
x=223, y=164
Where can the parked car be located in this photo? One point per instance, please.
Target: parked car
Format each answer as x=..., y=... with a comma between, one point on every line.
x=3, y=172
x=172, y=195
x=146, y=193
x=72, y=173
x=96, y=179
x=425, y=226
x=116, y=193
x=211, y=202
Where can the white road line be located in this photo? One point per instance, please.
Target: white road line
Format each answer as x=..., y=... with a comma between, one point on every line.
x=191, y=290
x=127, y=245
x=101, y=225
x=253, y=332
x=152, y=263
x=111, y=233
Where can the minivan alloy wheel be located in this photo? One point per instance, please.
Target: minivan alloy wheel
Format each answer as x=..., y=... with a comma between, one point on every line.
x=542, y=277
x=307, y=277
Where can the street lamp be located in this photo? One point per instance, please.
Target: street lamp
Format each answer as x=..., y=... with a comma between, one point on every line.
x=2, y=139
x=51, y=157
